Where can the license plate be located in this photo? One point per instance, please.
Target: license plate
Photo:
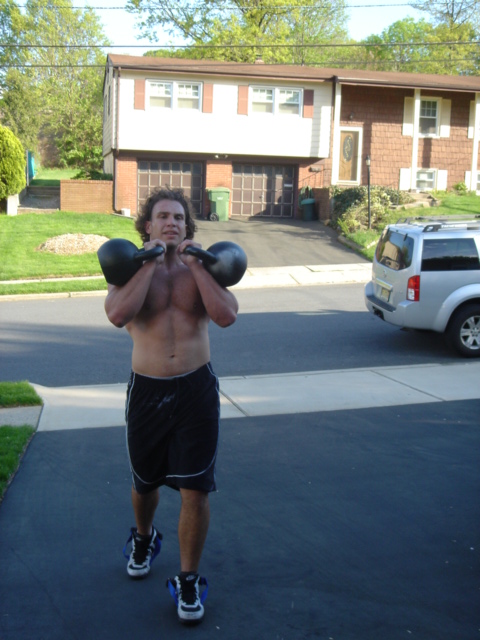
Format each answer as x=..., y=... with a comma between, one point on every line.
x=384, y=294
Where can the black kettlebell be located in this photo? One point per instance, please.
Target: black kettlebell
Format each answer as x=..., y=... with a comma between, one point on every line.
x=225, y=261
x=120, y=260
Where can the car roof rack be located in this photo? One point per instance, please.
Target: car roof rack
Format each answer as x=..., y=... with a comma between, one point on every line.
x=437, y=223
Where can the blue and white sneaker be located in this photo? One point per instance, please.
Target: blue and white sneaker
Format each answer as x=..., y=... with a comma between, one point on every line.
x=185, y=590
x=143, y=552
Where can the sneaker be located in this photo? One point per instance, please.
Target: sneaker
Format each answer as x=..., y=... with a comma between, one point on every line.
x=185, y=591
x=143, y=553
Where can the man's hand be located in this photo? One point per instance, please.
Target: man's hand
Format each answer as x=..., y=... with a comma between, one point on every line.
x=185, y=257
x=156, y=243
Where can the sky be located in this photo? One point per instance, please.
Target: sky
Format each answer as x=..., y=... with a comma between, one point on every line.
x=367, y=17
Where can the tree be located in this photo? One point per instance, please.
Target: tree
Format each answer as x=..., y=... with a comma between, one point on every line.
x=417, y=47
x=57, y=94
x=244, y=30
x=12, y=164
x=451, y=12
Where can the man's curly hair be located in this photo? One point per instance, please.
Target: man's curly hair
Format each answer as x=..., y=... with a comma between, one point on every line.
x=165, y=193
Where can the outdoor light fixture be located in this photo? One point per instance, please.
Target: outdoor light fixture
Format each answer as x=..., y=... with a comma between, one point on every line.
x=368, y=163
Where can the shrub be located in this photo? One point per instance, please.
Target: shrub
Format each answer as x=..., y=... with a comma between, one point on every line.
x=12, y=164
x=350, y=210
x=92, y=174
x=460, y=188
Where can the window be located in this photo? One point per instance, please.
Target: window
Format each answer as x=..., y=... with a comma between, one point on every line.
x=428, y=117
x=394, y=250
x=289, y=101
x=188, y=96
x=458, y=254
x=262, y=101
x=426, y=179
x=276, y=101
x=478, y=181
x=160, y=94
x=168, y=95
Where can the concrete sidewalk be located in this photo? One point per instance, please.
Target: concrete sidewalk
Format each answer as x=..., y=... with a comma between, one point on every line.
x=67, y=408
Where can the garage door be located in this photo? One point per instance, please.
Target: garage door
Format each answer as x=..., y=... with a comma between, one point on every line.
x=263, y=190
x=186, y=175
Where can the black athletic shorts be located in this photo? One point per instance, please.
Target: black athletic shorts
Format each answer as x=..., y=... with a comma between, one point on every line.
x=172, y=430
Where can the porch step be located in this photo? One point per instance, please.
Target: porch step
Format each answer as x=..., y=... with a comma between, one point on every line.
x=43, y=192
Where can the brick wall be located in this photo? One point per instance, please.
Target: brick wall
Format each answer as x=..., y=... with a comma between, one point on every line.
x=126, y=184
x=86, y=196
x=380, y=113
x=218, y=173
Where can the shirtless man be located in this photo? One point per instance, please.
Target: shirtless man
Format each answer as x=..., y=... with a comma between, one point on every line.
x=172, y=408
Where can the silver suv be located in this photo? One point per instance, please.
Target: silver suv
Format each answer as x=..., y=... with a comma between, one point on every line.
x=426, y=275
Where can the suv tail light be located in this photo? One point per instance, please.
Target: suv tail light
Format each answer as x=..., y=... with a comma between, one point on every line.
x=413, y=289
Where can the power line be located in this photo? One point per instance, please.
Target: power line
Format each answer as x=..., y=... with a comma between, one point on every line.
x=337, y=64
x=241, y=46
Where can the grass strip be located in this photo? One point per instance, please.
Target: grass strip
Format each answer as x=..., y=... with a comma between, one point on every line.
x=18, y=394
x=66, y=286
x=13, y=444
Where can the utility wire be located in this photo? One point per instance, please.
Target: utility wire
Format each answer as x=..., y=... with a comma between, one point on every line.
x=239, y=46
x=336, y=63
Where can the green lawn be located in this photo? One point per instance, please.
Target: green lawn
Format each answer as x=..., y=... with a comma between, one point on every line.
x=13, y=443
x=14, y=440
x=21, y=236
x=52, y=177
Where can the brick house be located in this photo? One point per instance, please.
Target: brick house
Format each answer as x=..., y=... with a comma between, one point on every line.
x=268, y=131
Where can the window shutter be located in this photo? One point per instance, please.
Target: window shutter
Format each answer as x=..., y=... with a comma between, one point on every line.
x=207, y=106
x=139, y=99
x=442, y=179
x=468, y=179
x=471, y=119
x=404, y=184
x=445, y=111
x=308, y=103
x=242, y=109
x=408, y=117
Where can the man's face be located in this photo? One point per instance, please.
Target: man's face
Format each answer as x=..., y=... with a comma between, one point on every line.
x=167, y=222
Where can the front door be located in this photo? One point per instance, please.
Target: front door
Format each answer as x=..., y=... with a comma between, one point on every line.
x=348, y=167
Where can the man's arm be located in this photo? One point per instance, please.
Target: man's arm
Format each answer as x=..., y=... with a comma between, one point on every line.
x=123, y=303
x=220, y=303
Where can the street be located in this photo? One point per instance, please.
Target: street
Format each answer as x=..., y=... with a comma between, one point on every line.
x=346, y=525
x=69, y=341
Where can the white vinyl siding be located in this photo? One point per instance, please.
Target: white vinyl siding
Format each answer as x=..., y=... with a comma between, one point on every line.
x=223, y=131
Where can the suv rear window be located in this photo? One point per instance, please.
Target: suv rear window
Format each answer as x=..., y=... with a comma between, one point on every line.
x=394, y=250
x=457, y=254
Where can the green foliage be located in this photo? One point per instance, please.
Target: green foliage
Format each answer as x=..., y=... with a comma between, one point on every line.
x=460, y=188
x=350, y=210
x=244, y=31
x=13, y=442
x=12, y=164
x=58, y=97
x=414, y=48
x=18, y=394
x=92, y=174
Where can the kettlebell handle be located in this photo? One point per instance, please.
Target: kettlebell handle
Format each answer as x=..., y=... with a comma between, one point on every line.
x=142, y=255
x=205, y=256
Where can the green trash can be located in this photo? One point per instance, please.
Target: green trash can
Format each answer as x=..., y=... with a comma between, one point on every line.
x=308, y=209
x=219, y=199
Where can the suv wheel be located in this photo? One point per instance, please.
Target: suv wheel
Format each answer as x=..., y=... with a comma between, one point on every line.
x=464, y=331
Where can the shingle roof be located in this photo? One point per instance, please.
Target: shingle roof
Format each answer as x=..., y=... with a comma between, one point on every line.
x=292, y=72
